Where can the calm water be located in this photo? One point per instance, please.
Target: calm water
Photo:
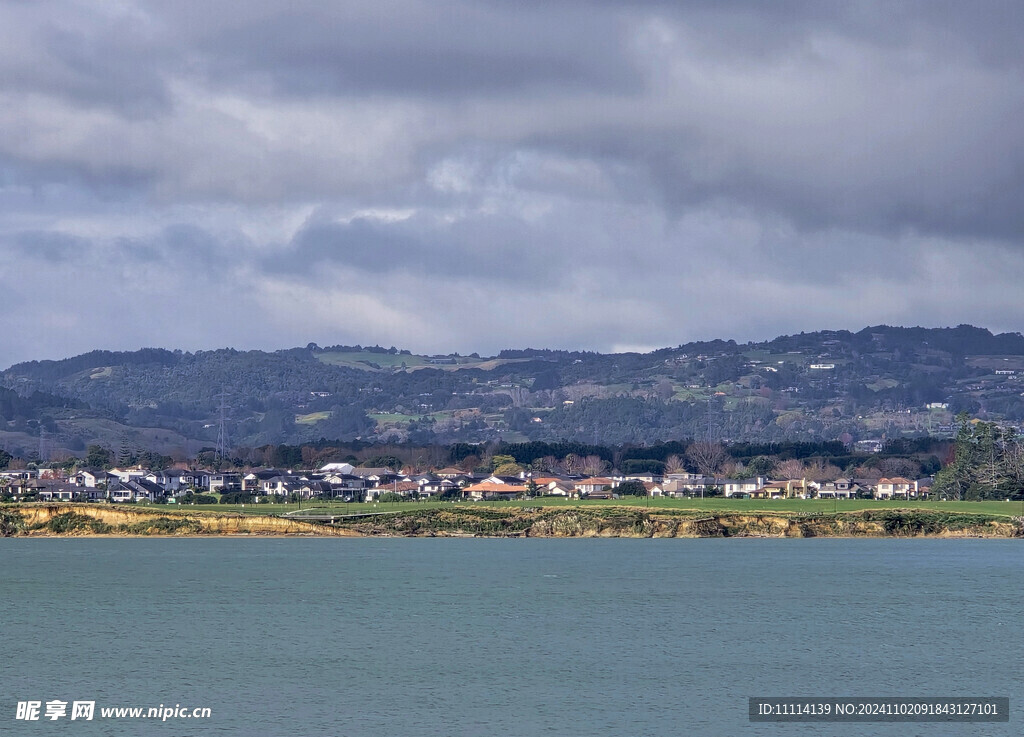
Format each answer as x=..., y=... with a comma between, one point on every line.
x=504, y=637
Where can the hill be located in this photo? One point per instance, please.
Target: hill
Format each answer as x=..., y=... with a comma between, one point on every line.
x=827, y=385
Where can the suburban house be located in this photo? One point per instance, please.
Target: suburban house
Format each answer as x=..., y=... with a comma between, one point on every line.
x=486, y=490
x=792, y=489
x=592, y=486
x=689, y=484
x=253, y=481
x=402, y=488
x=310, y=489
x=653, y=489
x=839, y=489
x=169, y=479
x=127, y=474
x=554, y=486
x=743, y=486
x=376, y=476
x=135, y=489
x=345, y=468
x=895, y=488
x=50, y=490
x=89, y=478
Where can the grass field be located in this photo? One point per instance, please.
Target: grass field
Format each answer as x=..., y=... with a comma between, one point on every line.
x=312, y=418
x=712, y=505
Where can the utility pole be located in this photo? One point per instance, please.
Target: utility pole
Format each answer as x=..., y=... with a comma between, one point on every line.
x=222, y=432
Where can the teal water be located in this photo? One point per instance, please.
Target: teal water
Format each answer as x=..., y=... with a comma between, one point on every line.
x=412, y=637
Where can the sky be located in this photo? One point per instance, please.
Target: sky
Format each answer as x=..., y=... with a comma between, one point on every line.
x=470, y=176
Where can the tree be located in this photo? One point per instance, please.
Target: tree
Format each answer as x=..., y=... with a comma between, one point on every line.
x=981, y=463
x=96, y=456
x=508, y=469
x=593, y=465
x=819, y=470
x=900, y=467
x=791, y=469
x=631, y=488
x=674, y=464
x=707, y=457
x=1013, y=463
x=761, y=466
x=498, y=461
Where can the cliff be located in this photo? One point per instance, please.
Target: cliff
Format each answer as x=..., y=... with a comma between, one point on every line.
x=65, y=519
x=40, y=520
x=633, y=522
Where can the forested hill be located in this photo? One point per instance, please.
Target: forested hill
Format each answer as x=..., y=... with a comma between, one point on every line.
x=879, y=382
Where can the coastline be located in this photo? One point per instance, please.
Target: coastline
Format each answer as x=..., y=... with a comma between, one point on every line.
x=67, y=519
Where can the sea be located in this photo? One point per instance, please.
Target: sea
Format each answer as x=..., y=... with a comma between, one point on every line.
x=479, y=637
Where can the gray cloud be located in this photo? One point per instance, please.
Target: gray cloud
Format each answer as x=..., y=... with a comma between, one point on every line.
x=49, y=246
x=560, y=173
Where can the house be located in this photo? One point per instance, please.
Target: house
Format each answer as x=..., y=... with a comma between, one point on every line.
x=253, y=481
x=645, y=477
x=51, y=490
x=346, y=486
x=345, y=468
x=128, y=474
x=429, y=484
x=224, y=482
x=594, y=485
x=197, y=479
x=282, y=484
x=487, y=490
x=492, y=479
x=169, y=479
x=138, y=489
x=792, y=489
x=839, y=489
x=745, y=486
x=653, y=489
x=680, y=485
x=895, y=488
x=90, y=478
x=377, y=475
x=402, y=488
x=84, y=494
x=554, y=486
x=319, y=489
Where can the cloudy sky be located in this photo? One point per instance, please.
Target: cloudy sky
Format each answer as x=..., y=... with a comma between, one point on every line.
x=466, y=176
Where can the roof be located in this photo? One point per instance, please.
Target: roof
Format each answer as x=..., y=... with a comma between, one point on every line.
x=360, y=471
x=400, y=486
x=503, y=488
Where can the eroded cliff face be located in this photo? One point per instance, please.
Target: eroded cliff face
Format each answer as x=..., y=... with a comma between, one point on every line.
x=631, y=522
x=97, y=519
x=65, y=519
